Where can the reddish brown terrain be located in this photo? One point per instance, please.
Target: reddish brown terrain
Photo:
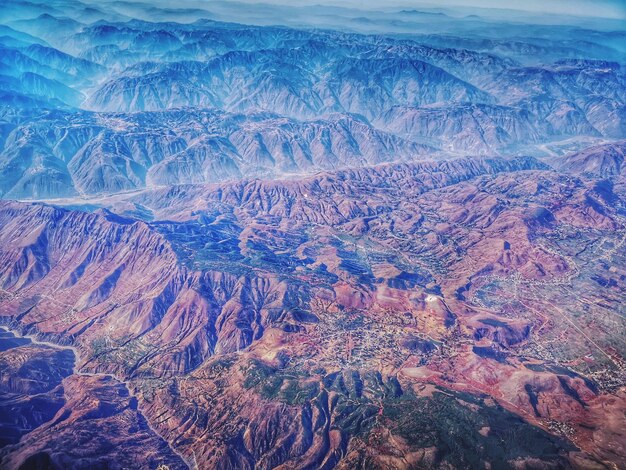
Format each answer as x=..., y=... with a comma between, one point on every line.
x=394, y=317
x=312, y=235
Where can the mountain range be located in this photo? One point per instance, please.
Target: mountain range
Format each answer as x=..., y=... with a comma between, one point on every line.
x=271, y=236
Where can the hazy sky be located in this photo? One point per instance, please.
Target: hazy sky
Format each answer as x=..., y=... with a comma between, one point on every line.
x=597, y=8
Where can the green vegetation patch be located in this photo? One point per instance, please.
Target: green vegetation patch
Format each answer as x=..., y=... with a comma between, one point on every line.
x=467, y=432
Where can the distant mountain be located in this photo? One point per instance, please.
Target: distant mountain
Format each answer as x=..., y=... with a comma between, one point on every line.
x=61, y=154
x=37, y=85
x=240, y=81
x=479, y=129
x=54, y=29
x=454, y=99
x=72, y=66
